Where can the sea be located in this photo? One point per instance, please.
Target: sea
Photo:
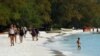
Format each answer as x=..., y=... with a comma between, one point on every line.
x=66, y=44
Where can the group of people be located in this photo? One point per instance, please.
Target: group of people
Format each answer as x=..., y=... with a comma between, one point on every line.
x=14, y=31
x=21, y=31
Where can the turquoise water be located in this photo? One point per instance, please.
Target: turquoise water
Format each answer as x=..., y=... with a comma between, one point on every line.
x=90, y=44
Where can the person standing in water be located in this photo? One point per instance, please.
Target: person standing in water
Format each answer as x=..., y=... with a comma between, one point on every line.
x=78, y=43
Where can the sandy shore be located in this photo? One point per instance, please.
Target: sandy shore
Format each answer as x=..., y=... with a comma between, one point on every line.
x=29, y=47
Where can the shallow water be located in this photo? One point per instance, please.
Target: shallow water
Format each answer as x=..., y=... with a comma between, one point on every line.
x=90, y=44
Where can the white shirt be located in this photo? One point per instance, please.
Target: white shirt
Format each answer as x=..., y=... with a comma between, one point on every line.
x=12, y=31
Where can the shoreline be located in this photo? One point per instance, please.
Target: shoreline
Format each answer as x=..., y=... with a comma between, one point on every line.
x=56, y=52
x=29, y=47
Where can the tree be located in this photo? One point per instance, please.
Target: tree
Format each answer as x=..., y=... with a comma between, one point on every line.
x=68, y=10
x=4, y=14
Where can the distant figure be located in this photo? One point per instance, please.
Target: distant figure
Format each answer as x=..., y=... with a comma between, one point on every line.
x=21, y=33
x=78, y=43
x=16, y=31
x=33, y=33
x=37, y=32
x=11, y=34
x=73, y=28
x=25, y=31
x=97, y=29
x=93, y=29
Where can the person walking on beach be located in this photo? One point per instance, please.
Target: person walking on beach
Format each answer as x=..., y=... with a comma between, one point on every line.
x=37, y=32
x=33, y=33
x=12, y=35
x=25, y=31
x=15, y=29
x=21, y=34
x=78, y=43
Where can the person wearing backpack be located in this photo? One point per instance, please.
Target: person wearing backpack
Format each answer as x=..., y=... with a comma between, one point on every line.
x=33, y=33
x=21, y=34
x=37, y=32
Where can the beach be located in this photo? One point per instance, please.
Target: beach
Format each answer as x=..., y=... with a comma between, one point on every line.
x=29, y=47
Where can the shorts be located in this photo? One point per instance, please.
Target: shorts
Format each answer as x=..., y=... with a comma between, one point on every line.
x=11, y=34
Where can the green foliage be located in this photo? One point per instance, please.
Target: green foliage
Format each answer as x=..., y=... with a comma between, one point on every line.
x=4, y=14
x=96, y=22
x=55, y=13
x=67, y=10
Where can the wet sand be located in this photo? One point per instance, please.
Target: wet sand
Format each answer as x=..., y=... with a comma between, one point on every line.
x=58, y=53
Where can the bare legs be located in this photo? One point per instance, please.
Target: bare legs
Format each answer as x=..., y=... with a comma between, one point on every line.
x=12, y=40
x=15, y=38
x=35, y=37
x=21, y=39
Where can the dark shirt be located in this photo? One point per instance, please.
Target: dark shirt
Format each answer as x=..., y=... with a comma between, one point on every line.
x=37, y=31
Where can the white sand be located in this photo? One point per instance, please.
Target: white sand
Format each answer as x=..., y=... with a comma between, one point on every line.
x=28, y=47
